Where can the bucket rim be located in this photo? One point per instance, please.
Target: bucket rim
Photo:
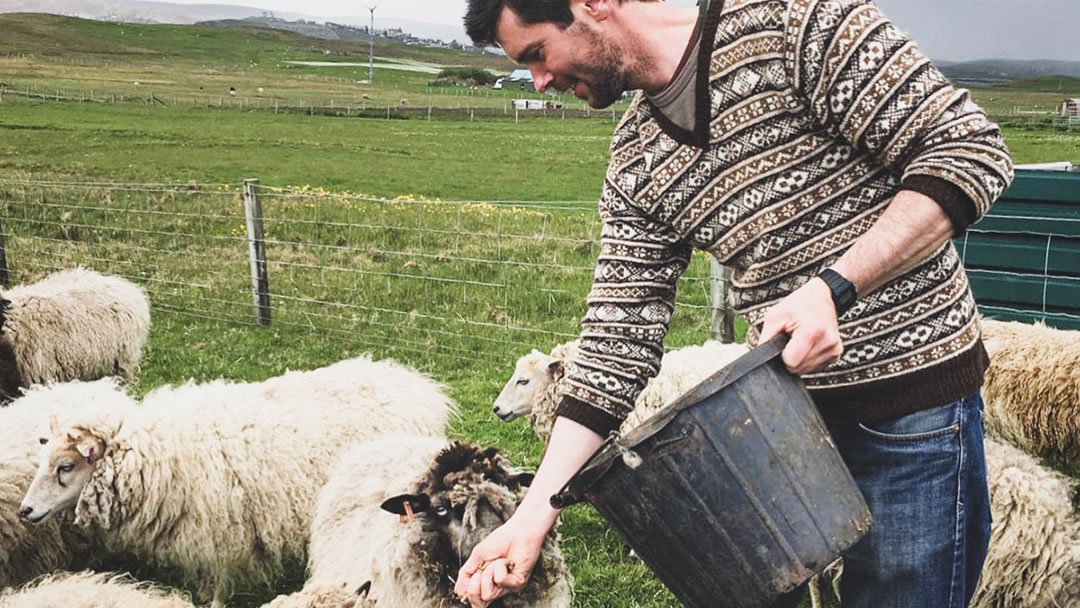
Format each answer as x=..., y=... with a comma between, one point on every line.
x=615, y=445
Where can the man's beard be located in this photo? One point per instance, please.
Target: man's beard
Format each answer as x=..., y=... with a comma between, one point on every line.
x=606, y=76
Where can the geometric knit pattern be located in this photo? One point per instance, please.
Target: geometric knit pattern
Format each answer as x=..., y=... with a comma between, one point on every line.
x=819, y=112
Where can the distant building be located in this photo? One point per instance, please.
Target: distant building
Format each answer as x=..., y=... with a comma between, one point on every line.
x=1070, y=108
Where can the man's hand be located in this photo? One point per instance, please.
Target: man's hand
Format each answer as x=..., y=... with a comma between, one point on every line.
x=501, y=563
x=808, y=315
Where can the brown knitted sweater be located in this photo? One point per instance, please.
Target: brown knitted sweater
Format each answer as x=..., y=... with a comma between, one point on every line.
x=811, y=115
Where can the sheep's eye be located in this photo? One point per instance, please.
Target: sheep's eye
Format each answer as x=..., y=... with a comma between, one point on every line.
x=442, y=511
x=67, y=467
x=43, y=440
x=523, y=382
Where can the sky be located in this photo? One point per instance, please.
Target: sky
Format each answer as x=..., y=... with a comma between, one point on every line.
x=955, y=30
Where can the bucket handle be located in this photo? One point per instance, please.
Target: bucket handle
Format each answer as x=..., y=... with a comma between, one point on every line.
x=602, y=459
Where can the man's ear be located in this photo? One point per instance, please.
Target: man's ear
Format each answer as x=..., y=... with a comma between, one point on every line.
x=596, y=10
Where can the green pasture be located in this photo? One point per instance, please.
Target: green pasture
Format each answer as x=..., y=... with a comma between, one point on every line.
x=454, y=245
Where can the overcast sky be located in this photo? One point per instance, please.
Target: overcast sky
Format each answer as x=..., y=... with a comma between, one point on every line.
x=945, y=29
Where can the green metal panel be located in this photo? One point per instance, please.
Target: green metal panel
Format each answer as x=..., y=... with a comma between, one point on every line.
x=1030, y=253
x=1023, y=258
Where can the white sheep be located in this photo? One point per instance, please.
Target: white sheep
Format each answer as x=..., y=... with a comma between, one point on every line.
x=1034, y=555
x=1032, y=389
x=27, y=552
x=1034, y=558
x=72, y=325
x=219, y=480
x=458, y=494
x=533, y=388
x=89, y=590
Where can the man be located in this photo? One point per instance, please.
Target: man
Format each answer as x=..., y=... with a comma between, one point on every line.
x=810, y=146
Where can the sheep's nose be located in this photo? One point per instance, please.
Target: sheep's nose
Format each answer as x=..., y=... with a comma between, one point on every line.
x=495, y=409
x=25, y=512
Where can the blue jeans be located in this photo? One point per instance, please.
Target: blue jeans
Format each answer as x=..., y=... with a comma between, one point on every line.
x=924, y=477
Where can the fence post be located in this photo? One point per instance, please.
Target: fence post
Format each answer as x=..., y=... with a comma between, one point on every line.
x=260, y=279
x=5, y=278
x=723, y=318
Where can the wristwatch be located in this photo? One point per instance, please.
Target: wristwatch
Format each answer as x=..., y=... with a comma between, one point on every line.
x=843, y=291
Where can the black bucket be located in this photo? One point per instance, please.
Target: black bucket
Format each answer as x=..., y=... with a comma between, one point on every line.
x=734, y=494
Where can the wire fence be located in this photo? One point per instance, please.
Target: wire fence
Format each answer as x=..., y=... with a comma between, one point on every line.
x=465, y=280
x=355, y=106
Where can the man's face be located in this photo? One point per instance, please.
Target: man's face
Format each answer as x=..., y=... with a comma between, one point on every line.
x=577, y=59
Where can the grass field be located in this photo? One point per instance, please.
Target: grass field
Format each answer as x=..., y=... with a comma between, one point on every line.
x=447, y=243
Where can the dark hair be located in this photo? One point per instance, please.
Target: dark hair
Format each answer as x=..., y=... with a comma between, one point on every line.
x=483, y=15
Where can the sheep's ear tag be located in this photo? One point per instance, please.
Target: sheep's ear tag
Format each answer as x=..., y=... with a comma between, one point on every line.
x=406, y=505
x=86, y=450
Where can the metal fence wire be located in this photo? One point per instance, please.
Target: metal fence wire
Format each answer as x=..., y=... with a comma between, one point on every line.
x=425, y=278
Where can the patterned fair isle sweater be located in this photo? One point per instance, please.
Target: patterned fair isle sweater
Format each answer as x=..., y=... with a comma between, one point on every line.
x=811, y=115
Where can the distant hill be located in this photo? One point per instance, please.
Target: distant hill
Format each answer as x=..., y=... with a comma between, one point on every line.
x=1002, y=70
x=52, y=35
x=142, y=11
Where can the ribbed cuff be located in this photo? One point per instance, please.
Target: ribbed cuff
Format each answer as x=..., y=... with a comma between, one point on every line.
x=943, y=383
x=953, y=200
x=589, y=416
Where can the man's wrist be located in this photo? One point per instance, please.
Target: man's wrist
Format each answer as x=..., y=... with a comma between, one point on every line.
x=842, y=290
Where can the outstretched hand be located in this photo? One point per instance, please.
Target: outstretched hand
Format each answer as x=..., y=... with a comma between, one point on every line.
x=500, y=564
x=808, y=315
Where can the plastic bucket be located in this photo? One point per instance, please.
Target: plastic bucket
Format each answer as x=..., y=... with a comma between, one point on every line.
x=734, y=494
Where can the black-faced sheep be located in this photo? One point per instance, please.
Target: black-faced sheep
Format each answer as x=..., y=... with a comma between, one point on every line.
x=89, y=590
x=27, y=552
x=533, y=389
x=219, y=480
x=457, y=493
x=72, y=325
x=1032, y=389
x=1034, y=555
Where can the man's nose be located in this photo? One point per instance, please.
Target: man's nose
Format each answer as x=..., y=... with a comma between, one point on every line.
x=541, y=80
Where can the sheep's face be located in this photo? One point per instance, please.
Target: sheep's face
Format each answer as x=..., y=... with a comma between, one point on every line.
x=469, y=493
x=67, y=461
x=533, y=375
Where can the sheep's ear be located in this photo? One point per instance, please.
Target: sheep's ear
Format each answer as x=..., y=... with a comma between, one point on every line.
x=555, y=368
x=89, y=447
x=396, y=505
x=364, y=589
x=54, y=426
x=523, y=479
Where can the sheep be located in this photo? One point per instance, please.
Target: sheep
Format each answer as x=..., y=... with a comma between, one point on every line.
x=1034, y=558
x=72, y=325
x=325, y=596
x=1032, y=389
x=457, y=493
x=1034, y=555
x=533, y=389
x=27, y=552
x=89, y=590
x=218, y=480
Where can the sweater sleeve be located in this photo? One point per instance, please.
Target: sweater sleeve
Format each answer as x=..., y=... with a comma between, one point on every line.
x=629, y=312
x=867, y=81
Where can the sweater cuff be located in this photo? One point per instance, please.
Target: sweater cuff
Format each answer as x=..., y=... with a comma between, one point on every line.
x=589, y=416
x=953, y=200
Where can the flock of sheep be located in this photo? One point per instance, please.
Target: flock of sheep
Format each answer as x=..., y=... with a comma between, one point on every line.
x=224, y=485
x=348, y=469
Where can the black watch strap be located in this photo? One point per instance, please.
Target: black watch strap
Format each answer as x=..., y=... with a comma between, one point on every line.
x=843, y=291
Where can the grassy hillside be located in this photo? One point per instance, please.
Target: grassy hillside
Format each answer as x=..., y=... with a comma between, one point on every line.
x=72, y=38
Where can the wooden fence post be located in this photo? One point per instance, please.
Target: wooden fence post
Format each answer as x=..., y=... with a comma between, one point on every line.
x=5, y=278
x=723, y=318
x=260, y=279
